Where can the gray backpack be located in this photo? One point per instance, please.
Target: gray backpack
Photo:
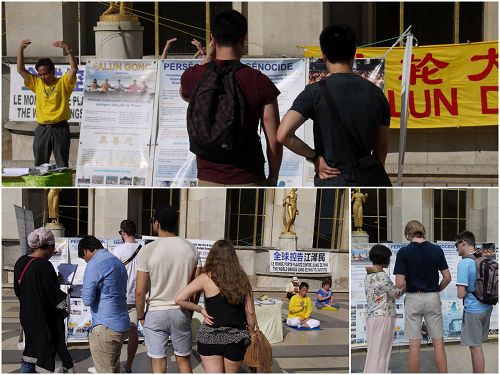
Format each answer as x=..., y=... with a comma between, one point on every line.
x=486, y=280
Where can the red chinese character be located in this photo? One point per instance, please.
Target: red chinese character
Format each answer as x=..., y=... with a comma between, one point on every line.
x=424, y=72
x=492, y=58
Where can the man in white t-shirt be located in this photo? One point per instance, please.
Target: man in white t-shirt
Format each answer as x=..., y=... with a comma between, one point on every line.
x=125, y=252
x=167, y=265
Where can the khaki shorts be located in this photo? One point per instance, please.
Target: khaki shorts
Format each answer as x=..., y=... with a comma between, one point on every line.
x=132, y=314
x=426, y=306
x=475, y=328
x=105, y=347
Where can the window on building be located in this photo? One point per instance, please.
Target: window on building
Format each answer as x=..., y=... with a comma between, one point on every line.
x=449, y=213
x=245, y=214
x=146, y=201
x=74, y=211
x=374, y=215
x=432, y=22
x=328, y=218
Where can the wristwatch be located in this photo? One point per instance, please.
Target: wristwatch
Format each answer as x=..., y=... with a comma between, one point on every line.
x=314, y=158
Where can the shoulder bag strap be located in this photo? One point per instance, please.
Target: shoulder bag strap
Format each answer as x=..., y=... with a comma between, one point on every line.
x=24, y=271
x=133, y=256
x=342, y=130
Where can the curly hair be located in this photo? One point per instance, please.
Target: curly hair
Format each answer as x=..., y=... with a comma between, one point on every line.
x=226, y=272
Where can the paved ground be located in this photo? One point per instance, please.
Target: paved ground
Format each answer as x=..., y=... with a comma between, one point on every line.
x=458, y=359
x=324, y=351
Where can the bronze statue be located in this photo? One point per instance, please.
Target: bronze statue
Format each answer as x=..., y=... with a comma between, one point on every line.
x=357, y=208
x=290, y=211
x=53, y=205
x=119, y=11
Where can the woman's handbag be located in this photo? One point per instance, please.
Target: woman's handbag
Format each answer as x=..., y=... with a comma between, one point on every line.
x=259, y=353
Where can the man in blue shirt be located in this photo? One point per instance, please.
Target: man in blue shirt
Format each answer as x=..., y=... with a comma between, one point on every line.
x=476, y=318
x=105, y=291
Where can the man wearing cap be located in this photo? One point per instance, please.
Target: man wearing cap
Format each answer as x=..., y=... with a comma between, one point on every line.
x=292, y=288
x=417, y=268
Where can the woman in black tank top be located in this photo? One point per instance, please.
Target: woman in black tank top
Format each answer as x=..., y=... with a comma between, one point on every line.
x=228, y=313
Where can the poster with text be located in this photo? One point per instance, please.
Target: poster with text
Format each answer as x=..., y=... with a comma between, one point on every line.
x=203, y=247
x=118, y=118
x=22, y=100
x=174, y=164
x=452, y=307
x=299, y=262
x=289, y=77
x=60, y=253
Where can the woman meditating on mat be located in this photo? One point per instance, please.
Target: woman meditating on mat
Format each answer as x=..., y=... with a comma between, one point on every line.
x=229, y=310
x=299, y=309
x=325, y=297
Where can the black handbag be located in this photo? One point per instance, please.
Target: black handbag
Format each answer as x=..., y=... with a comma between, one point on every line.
x=366, y=170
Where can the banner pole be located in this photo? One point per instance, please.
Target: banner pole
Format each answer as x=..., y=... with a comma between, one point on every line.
x=405, y=92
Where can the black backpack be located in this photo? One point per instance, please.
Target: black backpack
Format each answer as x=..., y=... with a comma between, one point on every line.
x=486, y=280
x=216, y=121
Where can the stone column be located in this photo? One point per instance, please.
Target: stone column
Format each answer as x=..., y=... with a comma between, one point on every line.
x=410, y=204
x=118, y=37
x=482, y=214
x=110, y=209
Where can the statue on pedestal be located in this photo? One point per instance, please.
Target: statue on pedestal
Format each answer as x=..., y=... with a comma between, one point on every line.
x=119, y=11
x=53, y=205
x=290, y=211
x=357, y=208
x=53, y=223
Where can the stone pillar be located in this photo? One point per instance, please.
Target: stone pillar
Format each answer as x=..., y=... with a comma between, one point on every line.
x=270, y=32
x=118, y=40
x=206, y=214
x=110, y=209
x=288, y=242
x=359, y=236
x=410, y=204
x=56, y=228
x=482, y=214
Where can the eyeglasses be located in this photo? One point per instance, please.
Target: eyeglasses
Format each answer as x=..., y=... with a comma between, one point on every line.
x=458, y=243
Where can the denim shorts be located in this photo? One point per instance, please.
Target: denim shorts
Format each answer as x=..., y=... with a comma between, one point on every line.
x=159, y=325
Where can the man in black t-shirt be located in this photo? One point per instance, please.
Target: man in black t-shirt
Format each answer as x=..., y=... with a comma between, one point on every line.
x=362, y=107
x=417, y=268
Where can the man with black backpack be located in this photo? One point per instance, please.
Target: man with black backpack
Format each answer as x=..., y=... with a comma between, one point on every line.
x=351, y=119
x=227, y=99
x=477, y=285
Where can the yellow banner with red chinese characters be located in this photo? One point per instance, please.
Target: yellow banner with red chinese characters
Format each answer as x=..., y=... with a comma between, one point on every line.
x=451, y=85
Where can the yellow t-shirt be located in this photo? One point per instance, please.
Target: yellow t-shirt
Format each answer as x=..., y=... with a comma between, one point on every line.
x=52, y=101
x=299, y=307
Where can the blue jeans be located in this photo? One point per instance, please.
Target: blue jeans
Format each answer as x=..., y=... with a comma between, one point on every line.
x=27, y=367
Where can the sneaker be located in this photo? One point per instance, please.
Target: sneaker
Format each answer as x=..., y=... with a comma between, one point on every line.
x=299, y=326
x=68, y=370
x=127, y=370
x=92, y=370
